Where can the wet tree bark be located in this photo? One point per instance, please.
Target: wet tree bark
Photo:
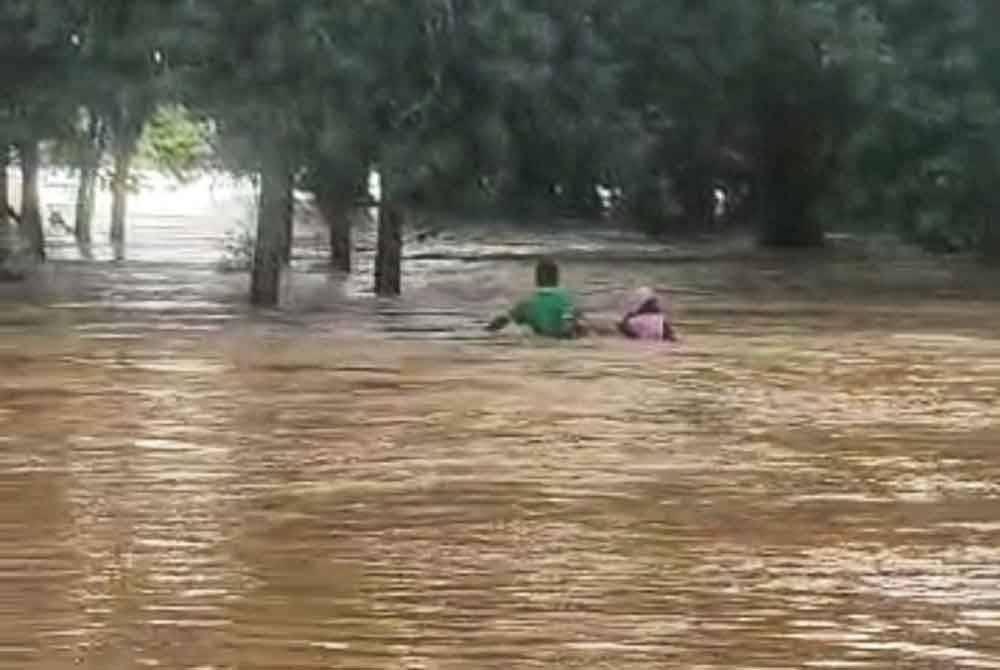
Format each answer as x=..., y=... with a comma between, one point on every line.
x=269, y=249
x=336, y=217
x=788, y=216
x=287, y=217
x=31, y=214
x=5, y=232
x=122, y=151
x=389, y=253
x=792, y=180
x=85, y=193
x=86, y=189
x=4, y=191
x=694, y=188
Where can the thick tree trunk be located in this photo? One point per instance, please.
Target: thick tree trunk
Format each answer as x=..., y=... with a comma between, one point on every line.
x=788, y=217
x=269, y=249
x=389, y=253
x=792, y=181
x=31, y=214
x=119, y=193
x=336, y=217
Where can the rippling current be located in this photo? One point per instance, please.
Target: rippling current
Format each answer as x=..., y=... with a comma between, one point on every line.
x=810, y=480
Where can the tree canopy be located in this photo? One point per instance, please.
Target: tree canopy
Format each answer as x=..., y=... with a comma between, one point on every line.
x=809, y=114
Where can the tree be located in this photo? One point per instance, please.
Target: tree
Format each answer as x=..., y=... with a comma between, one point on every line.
x=249, y=83
x=35, y=52
x=123, y=47
x=930, y=162
x=174, y=141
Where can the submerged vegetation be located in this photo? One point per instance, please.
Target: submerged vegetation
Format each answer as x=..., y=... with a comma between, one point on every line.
x=790, y=116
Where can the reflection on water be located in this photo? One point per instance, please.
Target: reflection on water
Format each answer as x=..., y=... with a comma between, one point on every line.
x=805, y=483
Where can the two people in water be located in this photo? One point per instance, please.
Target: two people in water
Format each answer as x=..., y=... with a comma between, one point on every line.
x=551, y=312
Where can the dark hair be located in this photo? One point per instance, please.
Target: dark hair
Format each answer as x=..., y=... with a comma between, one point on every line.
x=651, y=306
x=546, y=272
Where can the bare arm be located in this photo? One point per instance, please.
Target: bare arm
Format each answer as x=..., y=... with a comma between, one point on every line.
x=625, y=330
x=498, y=323
x=669, y=334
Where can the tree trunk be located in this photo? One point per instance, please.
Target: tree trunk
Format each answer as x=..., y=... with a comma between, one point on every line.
x=389, y=253
x=337, y=218
x=791, y=181
x=695, y=192
x=5, y=228
x=269, y=249
x=31, y=214
x=85, y=194
x=4, y=190
x=788, y=217
x=288, y=217
x=119, y=192
x=88, y=168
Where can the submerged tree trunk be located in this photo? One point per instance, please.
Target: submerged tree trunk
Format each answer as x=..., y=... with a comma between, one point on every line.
x=288, y=217
x=336, y=217
x=86, y=189
x=389, y=253
x=788, y=216
x=269, y=249
x=6, y=247
x=695, y=192
x=792, y=181
x=85, y=194
x=119, y=192
x=4, y=191
x=31, y=214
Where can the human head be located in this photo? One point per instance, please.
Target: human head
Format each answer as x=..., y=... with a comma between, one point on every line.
x=546, y=273
x=643, y=300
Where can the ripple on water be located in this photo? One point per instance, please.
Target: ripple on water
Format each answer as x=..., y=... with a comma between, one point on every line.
x=288, y=496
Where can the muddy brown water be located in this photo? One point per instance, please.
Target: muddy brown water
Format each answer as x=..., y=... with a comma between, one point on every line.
x=811, y=480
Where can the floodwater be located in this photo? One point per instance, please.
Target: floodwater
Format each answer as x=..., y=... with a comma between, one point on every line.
x=811, y=480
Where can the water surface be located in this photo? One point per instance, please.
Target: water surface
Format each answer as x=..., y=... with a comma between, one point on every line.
x=811, y=480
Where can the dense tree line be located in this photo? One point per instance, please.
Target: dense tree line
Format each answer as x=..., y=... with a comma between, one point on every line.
x=805, y=113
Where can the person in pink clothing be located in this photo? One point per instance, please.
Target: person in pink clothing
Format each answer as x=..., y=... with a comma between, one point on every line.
x=645, y=317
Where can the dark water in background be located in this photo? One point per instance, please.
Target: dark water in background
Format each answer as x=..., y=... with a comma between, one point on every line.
x=812, y=480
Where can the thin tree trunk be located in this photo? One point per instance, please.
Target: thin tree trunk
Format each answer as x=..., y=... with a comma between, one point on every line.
x=694, y=189
x=5, y=228
x=88, y=167
x=339, y=222
x=31, y=214
x=389, y=254
x=269, y=249
x=119, y=192
x=85, y=195
x=288, y=217
x=4, y=187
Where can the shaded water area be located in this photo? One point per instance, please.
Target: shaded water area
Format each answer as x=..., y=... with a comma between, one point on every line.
x=811, y=479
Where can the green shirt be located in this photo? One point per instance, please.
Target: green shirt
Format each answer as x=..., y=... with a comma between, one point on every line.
x=549, y=311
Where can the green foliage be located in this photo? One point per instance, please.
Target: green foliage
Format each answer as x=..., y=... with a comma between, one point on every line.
x=173, y=141
x=868, y=113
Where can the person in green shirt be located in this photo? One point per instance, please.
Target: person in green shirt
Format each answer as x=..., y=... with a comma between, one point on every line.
x=549, y=311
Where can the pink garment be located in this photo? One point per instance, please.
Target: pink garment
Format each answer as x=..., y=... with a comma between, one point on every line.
x=639, y=297
x=646, y=326
x=647, y=316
